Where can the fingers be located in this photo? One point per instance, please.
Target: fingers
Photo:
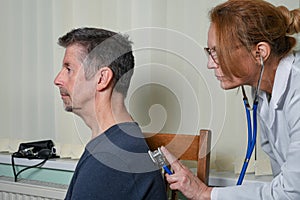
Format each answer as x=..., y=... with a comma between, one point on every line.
x=173, y=180
x=170, y=178
x=170, y=157
x=175, y=164
x=187, y=183
x=183, y=179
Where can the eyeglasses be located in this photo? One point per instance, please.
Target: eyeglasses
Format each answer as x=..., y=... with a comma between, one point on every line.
x=212, y=52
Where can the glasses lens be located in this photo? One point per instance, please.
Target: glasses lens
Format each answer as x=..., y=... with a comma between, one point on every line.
x=214, y=56
x=207, y=51
x=212, y=53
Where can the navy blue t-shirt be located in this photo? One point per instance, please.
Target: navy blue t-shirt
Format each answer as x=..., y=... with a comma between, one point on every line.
x=115, y=165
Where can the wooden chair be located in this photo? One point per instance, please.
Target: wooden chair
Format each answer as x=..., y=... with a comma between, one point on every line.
x=185, y=147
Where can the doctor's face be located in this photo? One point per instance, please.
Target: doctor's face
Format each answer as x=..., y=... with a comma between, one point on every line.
x=243, y=62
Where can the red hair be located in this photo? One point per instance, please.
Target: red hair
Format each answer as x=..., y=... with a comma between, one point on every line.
x=245, y=23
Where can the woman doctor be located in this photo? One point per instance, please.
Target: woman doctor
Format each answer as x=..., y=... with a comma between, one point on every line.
x=248, y=41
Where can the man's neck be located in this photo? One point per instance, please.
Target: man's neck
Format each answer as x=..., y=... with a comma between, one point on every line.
x=109, y=114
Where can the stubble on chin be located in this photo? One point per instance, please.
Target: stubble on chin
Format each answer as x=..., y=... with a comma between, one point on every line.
x=69, y=108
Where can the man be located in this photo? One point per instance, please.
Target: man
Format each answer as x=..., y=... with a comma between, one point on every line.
x=93, y=83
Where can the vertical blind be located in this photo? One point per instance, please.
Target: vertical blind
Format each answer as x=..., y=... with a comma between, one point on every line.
x=171, y=83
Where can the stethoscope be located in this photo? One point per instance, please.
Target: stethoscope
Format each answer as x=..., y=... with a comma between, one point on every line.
x=251, y=133
x=159, y=159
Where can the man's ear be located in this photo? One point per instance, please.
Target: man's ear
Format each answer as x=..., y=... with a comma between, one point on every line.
x=105, y=77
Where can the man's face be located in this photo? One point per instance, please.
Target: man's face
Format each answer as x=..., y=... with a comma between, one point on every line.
x=74, y=89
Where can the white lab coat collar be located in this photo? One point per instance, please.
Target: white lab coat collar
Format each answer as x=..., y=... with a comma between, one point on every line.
x=267, y=109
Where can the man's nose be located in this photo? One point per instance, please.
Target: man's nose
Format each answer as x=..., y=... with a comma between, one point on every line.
x=58, y=81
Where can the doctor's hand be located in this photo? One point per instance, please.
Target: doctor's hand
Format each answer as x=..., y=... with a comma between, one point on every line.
x=184, y=180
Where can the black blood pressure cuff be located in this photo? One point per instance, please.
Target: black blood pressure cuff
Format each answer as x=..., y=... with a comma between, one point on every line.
x=36, y=150
x=33, y=150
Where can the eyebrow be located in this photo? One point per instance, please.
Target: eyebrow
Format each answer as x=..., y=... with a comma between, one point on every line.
x=66, y=64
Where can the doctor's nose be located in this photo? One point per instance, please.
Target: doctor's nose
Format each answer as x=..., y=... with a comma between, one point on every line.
x=211, y=64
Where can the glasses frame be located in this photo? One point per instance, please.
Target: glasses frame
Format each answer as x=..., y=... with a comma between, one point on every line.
x=212, y=53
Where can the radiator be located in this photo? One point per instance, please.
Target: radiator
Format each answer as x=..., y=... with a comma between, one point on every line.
x=30, y=190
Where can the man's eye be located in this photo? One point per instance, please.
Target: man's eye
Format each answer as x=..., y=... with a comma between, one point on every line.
x=68, y=69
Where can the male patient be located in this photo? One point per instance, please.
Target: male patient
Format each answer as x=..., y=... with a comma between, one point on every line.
x=93, y=83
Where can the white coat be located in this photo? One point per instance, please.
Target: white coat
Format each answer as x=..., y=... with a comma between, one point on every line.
x=280, y=138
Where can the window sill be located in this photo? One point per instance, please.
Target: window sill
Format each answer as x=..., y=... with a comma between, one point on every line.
x=57, y=163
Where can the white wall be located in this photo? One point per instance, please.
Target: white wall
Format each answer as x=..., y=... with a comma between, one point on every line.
x=171, y=91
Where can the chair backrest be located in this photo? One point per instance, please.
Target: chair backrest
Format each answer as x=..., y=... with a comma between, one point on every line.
x=186, y=147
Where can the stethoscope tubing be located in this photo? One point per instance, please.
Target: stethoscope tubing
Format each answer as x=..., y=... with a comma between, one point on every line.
x=251, y=138
x=251, y=133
